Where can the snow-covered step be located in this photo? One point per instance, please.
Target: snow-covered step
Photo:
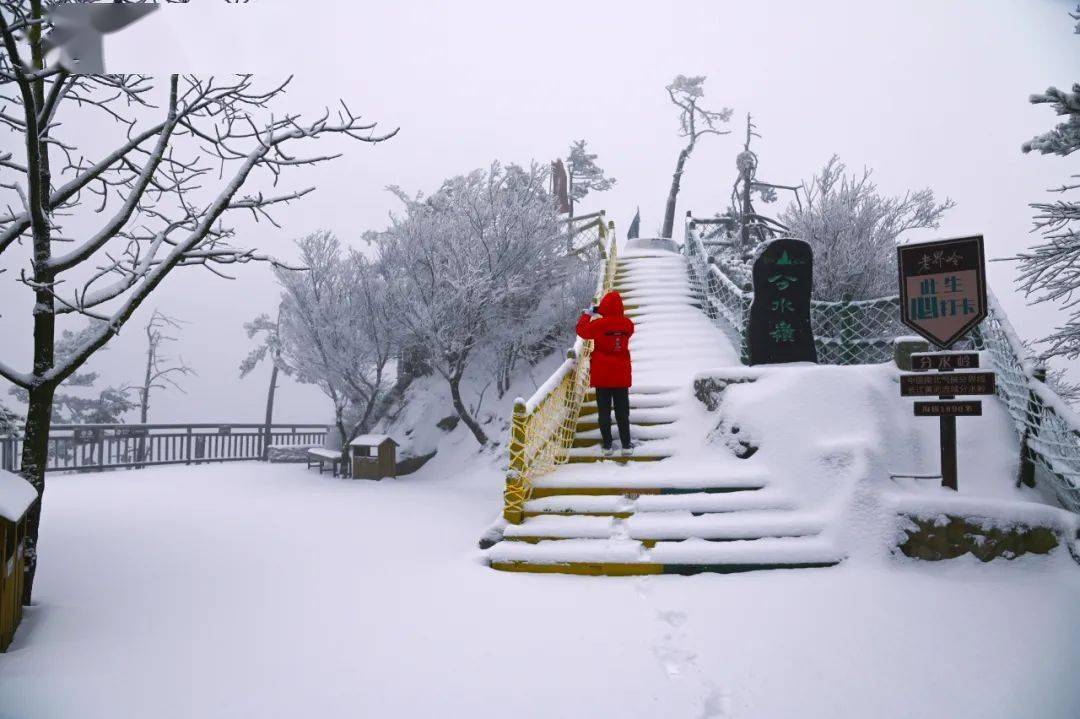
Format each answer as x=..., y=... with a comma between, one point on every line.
x=591, y=437
x=668, y=526
x=650, y=416
x=669, y=278
x=618, y=557
x=589, y=423
x=726, y=474
x=636, y=402
x=637, y=299
x=643, y=452
x=628, y=504
x=661, y=303
x=642, y=388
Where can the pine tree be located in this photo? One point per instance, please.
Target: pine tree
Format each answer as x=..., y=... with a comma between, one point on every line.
x=585, y=175
x=1051, y=269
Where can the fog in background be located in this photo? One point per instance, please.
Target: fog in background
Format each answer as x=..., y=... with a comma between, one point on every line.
x=925, y=93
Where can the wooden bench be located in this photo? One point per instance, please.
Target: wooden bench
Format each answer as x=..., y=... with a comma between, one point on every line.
x=319, y=456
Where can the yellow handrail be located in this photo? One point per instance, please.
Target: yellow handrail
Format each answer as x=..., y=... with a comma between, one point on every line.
x=543, y=427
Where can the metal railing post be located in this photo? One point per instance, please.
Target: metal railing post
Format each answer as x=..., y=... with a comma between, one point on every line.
x=1026, y=476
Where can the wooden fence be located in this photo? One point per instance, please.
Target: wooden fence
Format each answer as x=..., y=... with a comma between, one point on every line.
x=91, y=447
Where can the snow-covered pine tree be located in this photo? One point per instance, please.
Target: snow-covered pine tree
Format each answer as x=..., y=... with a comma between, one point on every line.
x=163, y=209
x=1050, y=270
x=853, y=231
x=585, y=175
x=694, y=122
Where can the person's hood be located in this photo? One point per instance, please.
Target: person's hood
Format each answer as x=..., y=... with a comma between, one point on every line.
x=611, y=305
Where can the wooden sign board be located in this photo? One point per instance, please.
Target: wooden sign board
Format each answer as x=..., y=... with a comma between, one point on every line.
x=943, y=288
x=944, y=361
x=947, y=384
x=127, y=432
x=945, y=408
x=224, y=429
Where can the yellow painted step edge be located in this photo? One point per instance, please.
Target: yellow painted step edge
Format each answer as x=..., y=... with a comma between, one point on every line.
x=594, y=569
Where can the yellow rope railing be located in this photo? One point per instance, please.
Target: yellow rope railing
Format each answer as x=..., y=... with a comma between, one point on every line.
x=543, y=426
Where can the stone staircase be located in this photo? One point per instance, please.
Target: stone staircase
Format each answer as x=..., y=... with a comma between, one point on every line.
x=666, y=509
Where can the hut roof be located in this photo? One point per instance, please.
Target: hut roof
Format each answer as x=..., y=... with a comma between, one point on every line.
x=16, y=496
x=371, y=440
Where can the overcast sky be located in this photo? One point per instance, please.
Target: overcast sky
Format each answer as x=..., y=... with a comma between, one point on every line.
x=925, y=93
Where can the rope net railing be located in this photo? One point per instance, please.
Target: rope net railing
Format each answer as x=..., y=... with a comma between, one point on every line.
x=864, y=332
x=543, y=426
x=1049, y=428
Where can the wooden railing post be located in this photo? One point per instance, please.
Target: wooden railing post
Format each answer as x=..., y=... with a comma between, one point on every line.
x=516, y=479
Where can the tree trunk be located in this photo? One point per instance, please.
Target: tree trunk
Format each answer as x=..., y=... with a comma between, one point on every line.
x=459, y=406
x=747, y=208
x=339, y=420
x=35, y=457
x=673, y=194
x=269, y=413
x=144, y=405
x=144, y=400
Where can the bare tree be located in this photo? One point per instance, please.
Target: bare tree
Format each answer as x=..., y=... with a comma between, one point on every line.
x=694, y=123
x=741, y=223
x=270, y=346
x=164, y=191
x=162, y=370
x=853, y=231
x=1051, y=269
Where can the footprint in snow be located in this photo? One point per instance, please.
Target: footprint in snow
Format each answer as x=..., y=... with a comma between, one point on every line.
x=715, y=704
x=673, y=618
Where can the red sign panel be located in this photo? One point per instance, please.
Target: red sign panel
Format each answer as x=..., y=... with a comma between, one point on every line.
x=943, y=288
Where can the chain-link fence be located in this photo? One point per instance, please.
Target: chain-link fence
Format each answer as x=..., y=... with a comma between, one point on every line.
x=863, y=332
x=848, y=332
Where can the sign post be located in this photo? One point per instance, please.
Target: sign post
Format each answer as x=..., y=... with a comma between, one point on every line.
x=943, y=296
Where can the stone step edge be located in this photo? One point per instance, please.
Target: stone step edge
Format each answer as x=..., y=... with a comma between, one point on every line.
x=630, y=569
x=593, y=458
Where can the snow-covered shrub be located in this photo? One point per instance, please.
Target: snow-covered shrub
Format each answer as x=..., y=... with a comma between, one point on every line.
x=853, y=231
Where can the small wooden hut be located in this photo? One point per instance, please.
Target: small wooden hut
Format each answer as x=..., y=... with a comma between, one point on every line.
x=16, y=497
x=373, y=456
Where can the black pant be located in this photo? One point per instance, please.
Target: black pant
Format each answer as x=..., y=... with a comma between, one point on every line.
x=605, y=396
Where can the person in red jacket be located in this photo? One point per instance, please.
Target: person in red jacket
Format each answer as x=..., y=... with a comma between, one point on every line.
x=609, y=367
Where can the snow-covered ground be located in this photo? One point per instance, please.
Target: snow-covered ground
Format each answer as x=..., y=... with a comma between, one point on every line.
x=271, y=591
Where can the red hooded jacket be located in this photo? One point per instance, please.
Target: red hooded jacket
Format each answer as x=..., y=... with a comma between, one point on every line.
x=610, y=363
